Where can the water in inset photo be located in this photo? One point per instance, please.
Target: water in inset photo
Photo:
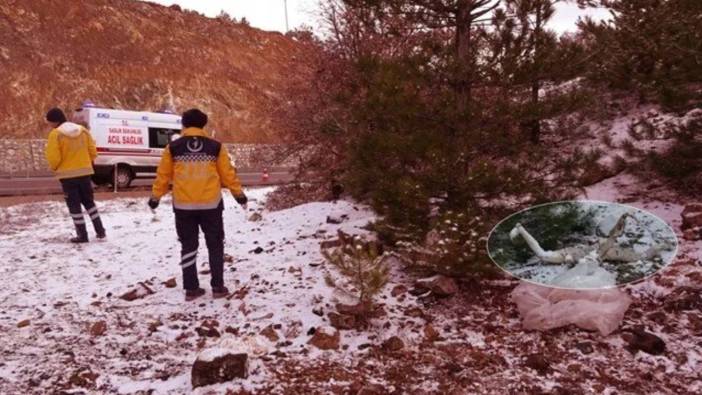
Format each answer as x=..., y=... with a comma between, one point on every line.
x=582, y=244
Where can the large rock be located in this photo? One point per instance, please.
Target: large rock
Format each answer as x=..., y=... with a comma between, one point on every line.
x=639, y=340
x=692, y=216
x=211, y=368
x=439, y=285
x=326, y=338
x=342, y=321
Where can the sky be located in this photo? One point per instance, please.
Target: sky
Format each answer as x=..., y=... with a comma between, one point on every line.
x=270, y=14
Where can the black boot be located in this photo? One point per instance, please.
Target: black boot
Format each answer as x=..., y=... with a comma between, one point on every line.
x=82, y=234
x=99, y=229
x=97, y=222
x=192, y=294
x=220, y=292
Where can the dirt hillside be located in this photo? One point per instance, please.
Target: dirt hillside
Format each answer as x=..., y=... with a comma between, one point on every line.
x=138, y=55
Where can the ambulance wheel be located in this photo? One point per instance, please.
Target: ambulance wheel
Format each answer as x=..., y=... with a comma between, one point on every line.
x=124, y=176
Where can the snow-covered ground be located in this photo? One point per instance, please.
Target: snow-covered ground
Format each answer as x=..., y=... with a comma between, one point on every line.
x=56, y=297
x=150, y=343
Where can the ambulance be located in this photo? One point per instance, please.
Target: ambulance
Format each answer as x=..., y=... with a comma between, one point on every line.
x=129, y=143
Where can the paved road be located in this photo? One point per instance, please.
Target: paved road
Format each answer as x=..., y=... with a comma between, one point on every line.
x=48, y=185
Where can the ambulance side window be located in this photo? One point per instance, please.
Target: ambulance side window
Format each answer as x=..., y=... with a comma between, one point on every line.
x=160, y=137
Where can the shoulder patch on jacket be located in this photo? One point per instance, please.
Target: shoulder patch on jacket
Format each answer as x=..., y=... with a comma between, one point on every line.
x=195, y=149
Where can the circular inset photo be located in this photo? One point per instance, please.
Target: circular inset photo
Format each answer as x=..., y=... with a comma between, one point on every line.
x=582, y=244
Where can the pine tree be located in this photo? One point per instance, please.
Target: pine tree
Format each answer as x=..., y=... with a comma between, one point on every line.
x=362, y=263
x=651, y=46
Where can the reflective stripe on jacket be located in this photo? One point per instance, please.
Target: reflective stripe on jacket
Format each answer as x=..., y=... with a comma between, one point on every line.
x=70, y=151
x=198, y=166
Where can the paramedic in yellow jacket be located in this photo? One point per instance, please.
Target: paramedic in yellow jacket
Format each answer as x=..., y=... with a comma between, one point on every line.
x=70, y=152
x=198, y=166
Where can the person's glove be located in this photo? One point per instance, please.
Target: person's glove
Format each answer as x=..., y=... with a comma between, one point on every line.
x=242, y=199
x=153, y=203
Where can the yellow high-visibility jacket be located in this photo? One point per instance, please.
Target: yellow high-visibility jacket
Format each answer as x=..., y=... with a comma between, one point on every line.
x=71, y=151
x=198, y=166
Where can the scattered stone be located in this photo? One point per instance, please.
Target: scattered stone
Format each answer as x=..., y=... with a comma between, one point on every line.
x=255, y=217
x=23, y=323
x=415, y=312
x=684, y=299
x=693, y=234
x=584, y=347
x=692, y=216
x=359, y=309
x=83, y=378
x=270, y=334
x=334, y=220
x=294, y=329
x=342, y=321
x=153, y=327
x=639, y=340
x=228, y=258
x=439, y=285
x=538, y=362
x=232, y=330
x=398, y=290
x=430, y=334
x=220, y=369
x=130, y=295
x=658, y=317
x=418, y=291
x=393, y=344
x=372, y=389
x=170, y=283
x=326, y=338
x=139, y=292
x=318, y=311
x=205, y=331
x=98, y=328
x=257, y=250
x=326, y=244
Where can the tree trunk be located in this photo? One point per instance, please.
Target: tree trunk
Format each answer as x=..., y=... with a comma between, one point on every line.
x=536, y=82
x=464, y=56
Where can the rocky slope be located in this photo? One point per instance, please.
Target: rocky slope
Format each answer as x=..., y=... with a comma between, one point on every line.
x=138, y=55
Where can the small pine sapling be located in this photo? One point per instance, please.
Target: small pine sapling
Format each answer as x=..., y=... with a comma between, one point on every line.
x=361, y=261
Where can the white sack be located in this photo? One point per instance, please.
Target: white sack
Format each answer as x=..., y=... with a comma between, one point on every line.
x=543, y=308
